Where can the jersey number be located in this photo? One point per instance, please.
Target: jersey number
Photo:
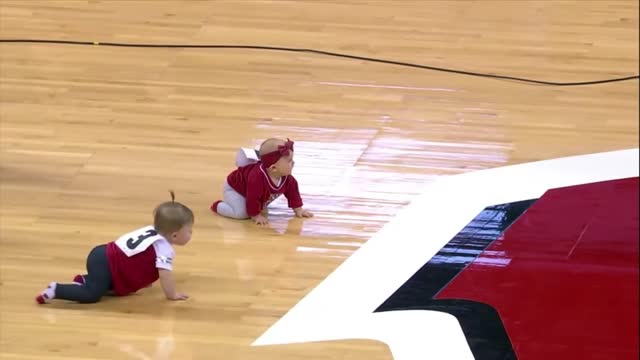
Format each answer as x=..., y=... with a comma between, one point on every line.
x=132, y=244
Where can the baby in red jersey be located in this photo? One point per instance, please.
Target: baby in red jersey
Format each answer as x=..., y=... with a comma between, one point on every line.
x=133, y=261
x=249, y=189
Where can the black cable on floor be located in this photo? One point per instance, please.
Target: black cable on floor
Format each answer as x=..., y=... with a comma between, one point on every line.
x=327, y=53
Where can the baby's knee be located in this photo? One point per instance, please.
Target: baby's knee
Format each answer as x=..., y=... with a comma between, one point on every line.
x=240, y=215
x=234, y=212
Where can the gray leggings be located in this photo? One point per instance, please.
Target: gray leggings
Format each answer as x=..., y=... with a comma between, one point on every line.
x=234, y=205
x=96, y=283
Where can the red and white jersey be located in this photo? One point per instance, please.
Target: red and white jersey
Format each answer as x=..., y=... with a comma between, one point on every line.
x=134, y=259
x=259, y=190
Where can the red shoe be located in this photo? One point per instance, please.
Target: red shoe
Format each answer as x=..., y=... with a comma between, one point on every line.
x=214, y=206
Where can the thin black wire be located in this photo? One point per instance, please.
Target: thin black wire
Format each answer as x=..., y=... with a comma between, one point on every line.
x=320, y=52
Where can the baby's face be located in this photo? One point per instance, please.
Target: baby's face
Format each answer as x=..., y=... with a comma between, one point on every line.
x=284, y=165
x=182, y=236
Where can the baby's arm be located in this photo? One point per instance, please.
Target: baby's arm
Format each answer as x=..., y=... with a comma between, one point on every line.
x=295, y=200
x=164, y=264
x=254, y=205
x=169, y=285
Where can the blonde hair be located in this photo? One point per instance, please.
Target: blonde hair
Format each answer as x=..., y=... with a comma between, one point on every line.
x=171, y=216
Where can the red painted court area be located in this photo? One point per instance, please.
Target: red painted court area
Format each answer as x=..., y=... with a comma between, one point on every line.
x=564, y=276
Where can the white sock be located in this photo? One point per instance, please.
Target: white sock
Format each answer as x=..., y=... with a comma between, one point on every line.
x=49, y=293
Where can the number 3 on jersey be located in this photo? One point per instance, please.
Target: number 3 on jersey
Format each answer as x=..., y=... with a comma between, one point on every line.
x=132, y=244
x=137, y=241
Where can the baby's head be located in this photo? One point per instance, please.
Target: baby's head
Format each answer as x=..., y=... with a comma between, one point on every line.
x=277, y=156
x=174, y=221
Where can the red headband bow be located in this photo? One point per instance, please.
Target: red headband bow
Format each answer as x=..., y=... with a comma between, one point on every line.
x=273, y=157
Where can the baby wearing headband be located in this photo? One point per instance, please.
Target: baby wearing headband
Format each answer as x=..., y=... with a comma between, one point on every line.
x=250, y=188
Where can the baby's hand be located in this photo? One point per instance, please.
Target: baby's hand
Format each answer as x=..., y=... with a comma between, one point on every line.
x=179, y=296
x=260, y=220
x=302, y=213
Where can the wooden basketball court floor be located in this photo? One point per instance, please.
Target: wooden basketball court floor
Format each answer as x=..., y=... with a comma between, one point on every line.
x=92, y=137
